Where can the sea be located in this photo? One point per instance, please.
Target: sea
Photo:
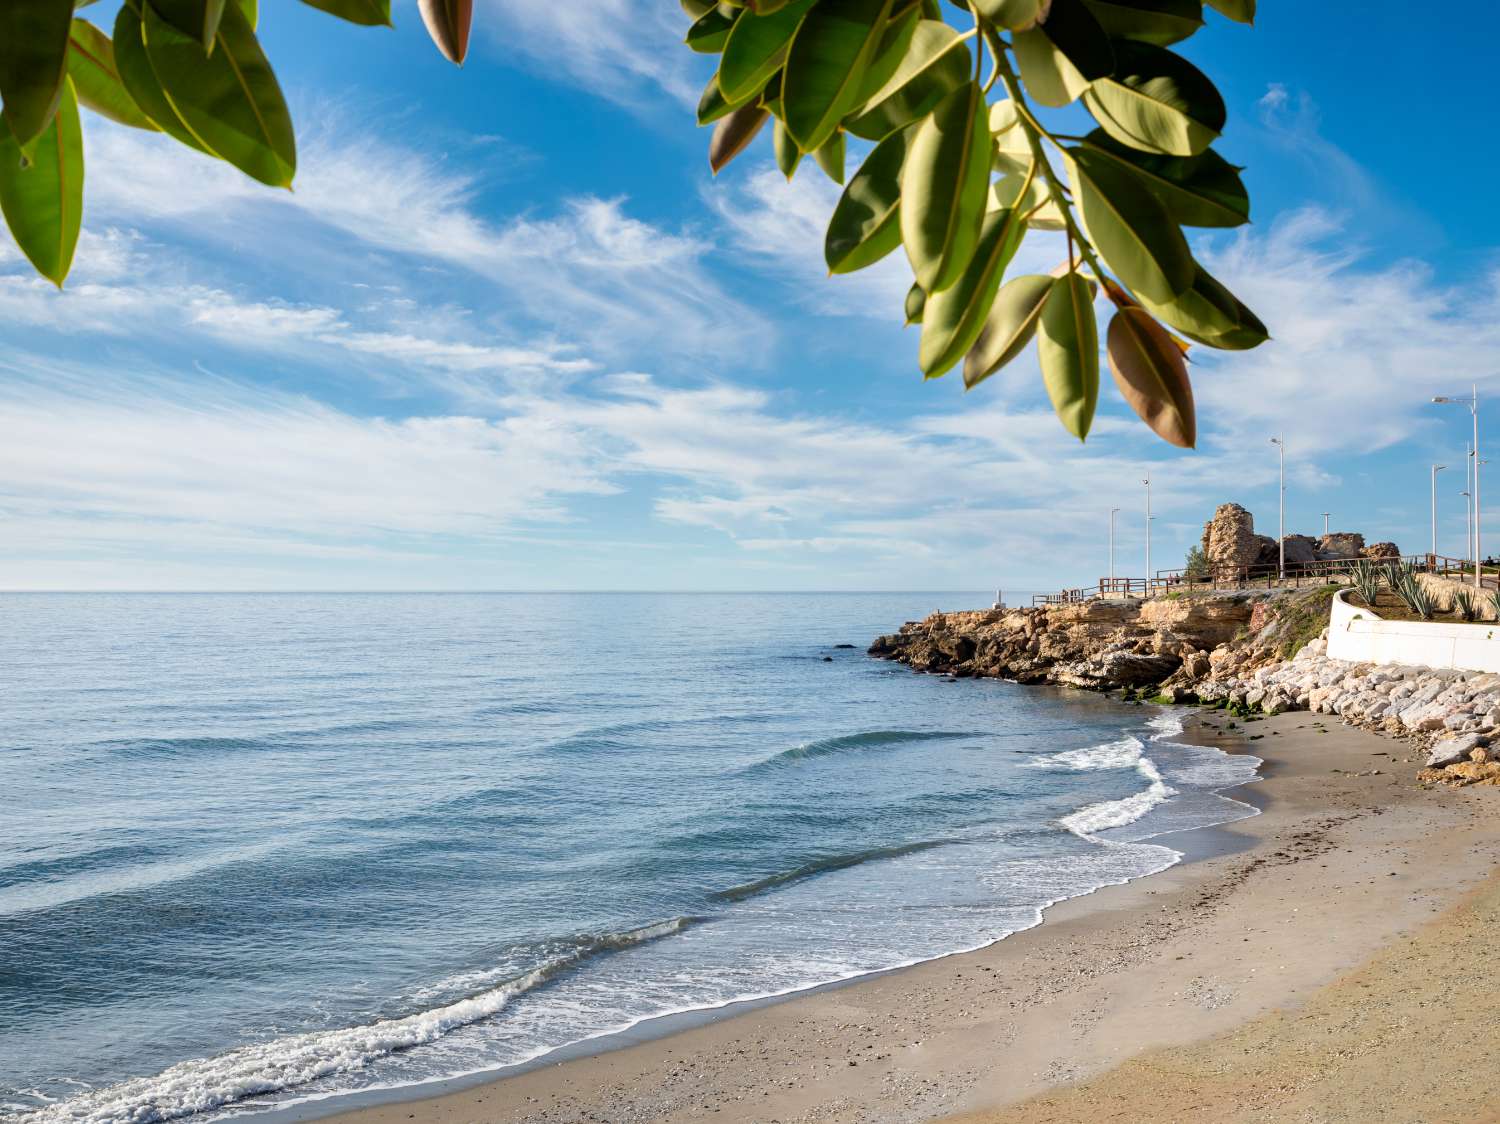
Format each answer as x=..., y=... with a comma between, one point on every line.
x=263, y=851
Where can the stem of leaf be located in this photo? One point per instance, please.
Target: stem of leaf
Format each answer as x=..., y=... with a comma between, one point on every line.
x=1034, y=134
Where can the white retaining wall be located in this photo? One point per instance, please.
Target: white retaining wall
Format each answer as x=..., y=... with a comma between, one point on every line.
x=1358, y=635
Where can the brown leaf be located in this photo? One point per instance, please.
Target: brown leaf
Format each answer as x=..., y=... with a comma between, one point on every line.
x=1152, y=375
x=448, y=23
x=733, y=133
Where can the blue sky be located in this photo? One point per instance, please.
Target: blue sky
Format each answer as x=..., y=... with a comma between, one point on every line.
x=508, y=333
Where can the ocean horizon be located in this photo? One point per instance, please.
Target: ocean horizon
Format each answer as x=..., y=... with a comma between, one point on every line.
x=269, y=849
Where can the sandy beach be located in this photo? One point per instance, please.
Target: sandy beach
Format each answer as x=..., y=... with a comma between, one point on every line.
x=1316, y=965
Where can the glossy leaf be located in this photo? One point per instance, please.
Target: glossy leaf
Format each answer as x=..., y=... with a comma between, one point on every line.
x=734, y=133
x=1209, y=314
x=1152, y=375
x=1068, y=347
x=96, y=78
x=1011, y=324
x=1013, y=15
x=936, y=63
x=33, y=62
x=697, y=9
x=448, y=23
x=895, y=43
x=710, y=32
x=140, y=80
x=916, y=303
x=197, y=19
x=1037, y=204
x=1063, y=55
x=943, y=188
x=788, y=155
x=1129, y=226
x=954, y=317
x=1241, y=10
x=1202, y=190
x=831, y=158
x=41, y=192
x=1013, y=151
x=1157, y=101
x=866, y=223
x=1162, y=22
x=366, y=13
x=230, y=99
x=826, y=64
x=755, y=49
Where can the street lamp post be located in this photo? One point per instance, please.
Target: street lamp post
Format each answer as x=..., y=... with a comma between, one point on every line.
x=1468, y=518
x=1435, y=470
x=1473, y=404
x=1281, y=511
x=1149, y=517
x=1325, y=515
x=1112, y=512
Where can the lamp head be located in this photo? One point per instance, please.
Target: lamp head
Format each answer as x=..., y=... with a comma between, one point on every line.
x=1440, y=398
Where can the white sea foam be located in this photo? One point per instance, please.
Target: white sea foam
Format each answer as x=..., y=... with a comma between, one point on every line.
x=1123, y=754
x=1117, y=813
x=286, y=1063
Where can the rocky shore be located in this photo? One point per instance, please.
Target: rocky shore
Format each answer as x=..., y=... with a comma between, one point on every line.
x=1251, y=653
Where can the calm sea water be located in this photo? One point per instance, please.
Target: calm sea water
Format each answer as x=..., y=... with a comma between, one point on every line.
x=264, y=849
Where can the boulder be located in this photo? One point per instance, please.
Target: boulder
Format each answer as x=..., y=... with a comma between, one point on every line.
x=1382, y=550
x=1341, y=544
x=1450, y=751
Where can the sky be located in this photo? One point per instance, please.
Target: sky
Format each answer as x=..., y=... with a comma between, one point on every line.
x=508, y=332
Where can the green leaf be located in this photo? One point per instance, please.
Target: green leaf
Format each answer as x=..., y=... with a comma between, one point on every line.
x=1012, y=145
x=1061, y=56
x=1068, y=347
x=42, y=198
x=1202, y=190
x=1152, y=375
x=140, y=80
x=916, y=302
x=1037, y=202
x=229, y=99
x=1012, y=15
x=710, y=32
x=1012, y=322
x=1210, y=314
x=366, y=13
x=33, y=62
x=1157, y=101
x=1162, y=22
x=697, y=9
x=1129, y=226
x=197, y=19
x=866, y=224
x=96, y=79
x=788, y=155
x=936, y=63
x=943, y=188
x=448, y=23
x=895, y=43
x=954, y=317
x=755, y=49
x=826, y=64
x=1241, y=10
x=831, y=157
x=733, y=134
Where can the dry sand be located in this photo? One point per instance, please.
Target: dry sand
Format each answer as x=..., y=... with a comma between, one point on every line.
x=1238, y=987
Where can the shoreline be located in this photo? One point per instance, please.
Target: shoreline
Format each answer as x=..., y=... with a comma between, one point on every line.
x=799, y=1056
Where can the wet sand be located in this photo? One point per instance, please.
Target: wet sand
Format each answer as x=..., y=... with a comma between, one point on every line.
x=1237, y=987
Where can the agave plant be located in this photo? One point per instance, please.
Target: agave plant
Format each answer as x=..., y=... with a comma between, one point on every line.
x=1366, y=576
x=1465, y=605
x=1495, y=603
x=1415, y=596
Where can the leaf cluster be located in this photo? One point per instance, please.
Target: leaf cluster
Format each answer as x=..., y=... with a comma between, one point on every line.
x=961, y=167
x=192, y=69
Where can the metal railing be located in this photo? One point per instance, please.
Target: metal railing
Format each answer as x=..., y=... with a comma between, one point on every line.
x=1264, y=576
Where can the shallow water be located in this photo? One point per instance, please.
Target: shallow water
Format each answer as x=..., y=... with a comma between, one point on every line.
x=261, y=849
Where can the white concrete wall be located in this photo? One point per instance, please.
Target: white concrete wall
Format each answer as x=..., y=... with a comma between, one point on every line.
x=1360, y=636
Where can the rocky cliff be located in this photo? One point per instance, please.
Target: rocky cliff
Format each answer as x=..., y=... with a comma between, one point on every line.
x=1260, y=652
x=1168, y=643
